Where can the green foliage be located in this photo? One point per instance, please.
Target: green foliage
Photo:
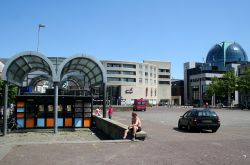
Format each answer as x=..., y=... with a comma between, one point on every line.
x=229, y=82
x=223, y=87
x=214, y=88
x=11, y=93
x=244, y=81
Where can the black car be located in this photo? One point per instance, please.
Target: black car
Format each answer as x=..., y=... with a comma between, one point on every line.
x=199, y=119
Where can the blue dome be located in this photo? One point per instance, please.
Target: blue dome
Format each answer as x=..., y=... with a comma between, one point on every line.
x=225, y=53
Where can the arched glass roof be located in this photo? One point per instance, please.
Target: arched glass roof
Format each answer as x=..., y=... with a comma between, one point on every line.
x=77, y=78
x=39, y=78
x=23, y=63
x=85, y=67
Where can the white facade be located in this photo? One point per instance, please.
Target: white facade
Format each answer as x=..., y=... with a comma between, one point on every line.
x=1, y=69
x=130, y=80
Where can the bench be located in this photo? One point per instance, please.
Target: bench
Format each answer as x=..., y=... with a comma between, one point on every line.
x=114, y=129
x=141, y=135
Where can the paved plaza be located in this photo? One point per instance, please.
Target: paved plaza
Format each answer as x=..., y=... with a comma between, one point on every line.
x=165, y=144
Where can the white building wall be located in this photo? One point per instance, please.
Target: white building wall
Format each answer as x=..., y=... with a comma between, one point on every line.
x=146, y=85
x=1, y=69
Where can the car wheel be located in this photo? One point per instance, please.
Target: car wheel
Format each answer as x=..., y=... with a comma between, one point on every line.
x=214, y=130
x=189, y=128
x=179, y=125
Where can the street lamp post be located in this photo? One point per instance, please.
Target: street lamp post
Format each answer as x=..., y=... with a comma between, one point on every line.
x=39, y=26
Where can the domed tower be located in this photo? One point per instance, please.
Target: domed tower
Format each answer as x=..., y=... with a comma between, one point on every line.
x=225, y=53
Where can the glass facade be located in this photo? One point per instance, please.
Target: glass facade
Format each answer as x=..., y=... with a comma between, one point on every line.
x=224, y=53
x=235, y=53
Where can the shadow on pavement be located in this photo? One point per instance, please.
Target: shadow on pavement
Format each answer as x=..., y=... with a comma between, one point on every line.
x=100, y=134
x=183, y=130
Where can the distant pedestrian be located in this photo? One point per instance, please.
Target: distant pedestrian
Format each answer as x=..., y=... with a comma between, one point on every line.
x=206, y=105
x=98, y=111
x=110, y=112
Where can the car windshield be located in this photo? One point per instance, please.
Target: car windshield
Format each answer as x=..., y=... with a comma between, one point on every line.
x=206, y=113
x=141, y=103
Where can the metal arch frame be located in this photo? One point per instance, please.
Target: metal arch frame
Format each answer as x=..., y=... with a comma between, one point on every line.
x=25, y=53
x=98, y=64
x=39, y=78
x=6, y=80
x=61, y=67
x=74, y=77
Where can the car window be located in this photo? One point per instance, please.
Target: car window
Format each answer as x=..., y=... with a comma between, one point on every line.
x=206, y=113
x=187, y=114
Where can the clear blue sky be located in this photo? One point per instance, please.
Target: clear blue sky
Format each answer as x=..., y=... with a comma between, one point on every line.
x=177, y=31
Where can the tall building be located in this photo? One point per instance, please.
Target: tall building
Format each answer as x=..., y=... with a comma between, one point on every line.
x=223, y=57
x=131, y=80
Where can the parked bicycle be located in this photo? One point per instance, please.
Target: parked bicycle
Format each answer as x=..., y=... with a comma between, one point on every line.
x=11, y=123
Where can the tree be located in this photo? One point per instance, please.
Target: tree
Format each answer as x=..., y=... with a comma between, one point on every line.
x=214, y=89
x=12, y=92
x=244, y=83
x=229, y=84
x=224, y=86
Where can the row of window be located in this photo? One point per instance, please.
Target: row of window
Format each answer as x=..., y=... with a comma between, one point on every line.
x=134, y=66
x=121, y=65
x=134, y=80
x=164, y=76
x=201, y=79
x=121, y=72
x=121, y=79
x=134, y=73
x=164, y=70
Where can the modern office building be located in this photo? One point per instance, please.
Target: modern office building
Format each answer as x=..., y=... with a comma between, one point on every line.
x=177, y=89
x=127, y=81
x=223, y=57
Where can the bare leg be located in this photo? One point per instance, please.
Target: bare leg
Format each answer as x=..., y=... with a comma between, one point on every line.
x=125, y=134
x=135, y=128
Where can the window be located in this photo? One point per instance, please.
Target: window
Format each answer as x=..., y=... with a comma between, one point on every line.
x=151, y=74
x=164, y=70
x=129, y=72
x=164, y=82
x=140, y=80
x=146, y=73
x=146, y=81
x=113, y=79
x=164, y=76
x=113, y=65
x=129, y=79
x=140, y=66
x=140, y=73
x=129, y=66
x=113, y=72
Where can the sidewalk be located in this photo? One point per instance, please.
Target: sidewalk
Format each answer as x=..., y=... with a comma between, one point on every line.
x=49, y=137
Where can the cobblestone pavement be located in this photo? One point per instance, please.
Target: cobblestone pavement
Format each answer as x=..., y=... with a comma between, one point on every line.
x=165, y=143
